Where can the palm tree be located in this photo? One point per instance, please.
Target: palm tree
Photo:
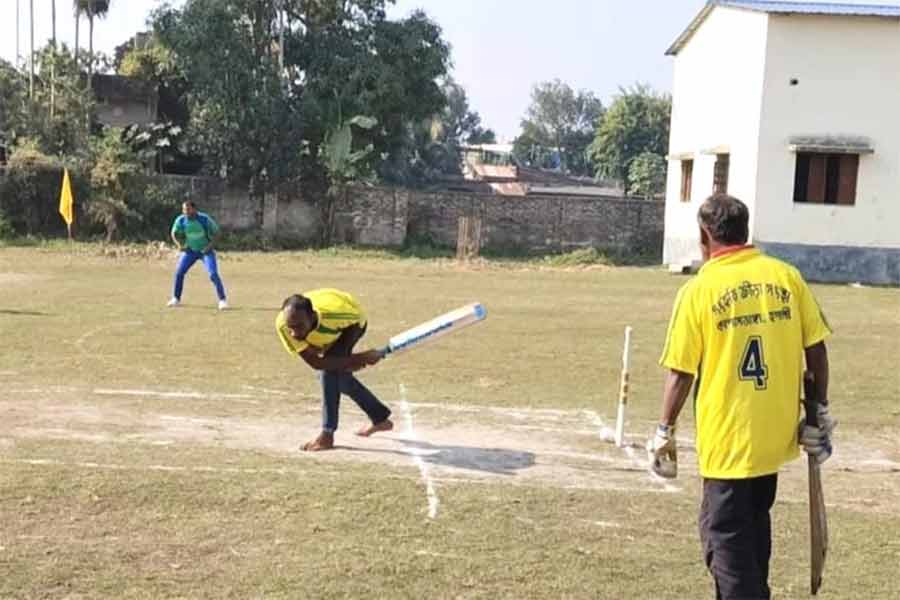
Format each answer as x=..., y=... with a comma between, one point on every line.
x=92, y=8
x=31, y=55
x=53, y=61
x=76, y=5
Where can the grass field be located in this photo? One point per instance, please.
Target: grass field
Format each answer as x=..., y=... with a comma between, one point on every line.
x=147, y=452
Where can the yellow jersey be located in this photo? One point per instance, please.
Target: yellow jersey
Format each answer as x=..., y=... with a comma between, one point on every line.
x=336, y=311
x=740, y=327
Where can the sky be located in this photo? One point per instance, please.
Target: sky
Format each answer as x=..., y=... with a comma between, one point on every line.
x=500, y=48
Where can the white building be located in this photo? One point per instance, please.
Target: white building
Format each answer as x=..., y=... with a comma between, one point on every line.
x=793, y=107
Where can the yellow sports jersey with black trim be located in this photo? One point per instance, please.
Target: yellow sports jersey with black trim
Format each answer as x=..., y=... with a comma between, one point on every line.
x=740, y=326
x=336, y=310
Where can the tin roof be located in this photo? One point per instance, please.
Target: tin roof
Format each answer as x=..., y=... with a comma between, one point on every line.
x=786, y=8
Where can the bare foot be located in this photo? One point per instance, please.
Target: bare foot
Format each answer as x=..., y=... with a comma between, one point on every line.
x=367, y=430
x=325, y=441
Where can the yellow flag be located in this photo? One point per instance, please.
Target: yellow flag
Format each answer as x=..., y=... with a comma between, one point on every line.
x=66, y=200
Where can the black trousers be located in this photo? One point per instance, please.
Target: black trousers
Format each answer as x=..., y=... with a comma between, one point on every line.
x=736, y=532
x=335, y=383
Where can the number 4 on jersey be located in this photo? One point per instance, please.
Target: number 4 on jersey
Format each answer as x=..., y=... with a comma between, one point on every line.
x=753, y=366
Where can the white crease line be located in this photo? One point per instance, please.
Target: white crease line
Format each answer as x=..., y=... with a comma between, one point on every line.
x=248, y=471
x=417, y=458
x=629, y=451
x=193, y=395
x=166, y=468
x=80, y=341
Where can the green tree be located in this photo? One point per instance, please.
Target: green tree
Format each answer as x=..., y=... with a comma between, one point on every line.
x=636, y=122
x=647, y=175
x=58, y=115
x=559, y=121
x=242, y=119
x=349, y=58
x=92, y=9
x=113, y=183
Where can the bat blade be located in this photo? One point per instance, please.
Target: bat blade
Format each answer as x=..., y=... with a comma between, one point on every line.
x=818, y=527
x=818, y=522
x=436, y=328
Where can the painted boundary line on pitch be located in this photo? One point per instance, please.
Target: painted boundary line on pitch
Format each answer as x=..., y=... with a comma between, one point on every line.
x=430, y=492
x=605, y=431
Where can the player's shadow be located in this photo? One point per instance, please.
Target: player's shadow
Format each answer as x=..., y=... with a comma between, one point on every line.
x=500, y=461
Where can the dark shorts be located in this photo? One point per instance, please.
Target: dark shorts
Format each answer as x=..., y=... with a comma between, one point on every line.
x=736, y=533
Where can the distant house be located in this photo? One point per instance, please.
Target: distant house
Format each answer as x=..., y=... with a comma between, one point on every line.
x=792, y=107
x=123, y=101
x=494, y=169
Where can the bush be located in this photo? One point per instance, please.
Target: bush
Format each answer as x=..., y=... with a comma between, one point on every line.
x=29, y=194
x=578, y=258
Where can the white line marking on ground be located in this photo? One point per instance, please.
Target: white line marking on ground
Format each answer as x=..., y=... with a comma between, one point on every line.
x=195, y=395
x=79, y=343
x=417, y=458
x=167, y=468
x=629, y=451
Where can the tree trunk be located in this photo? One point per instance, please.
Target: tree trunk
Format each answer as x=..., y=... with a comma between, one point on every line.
x=53, y=62
x=90, y=48
x=31, y=55
x=77, y=24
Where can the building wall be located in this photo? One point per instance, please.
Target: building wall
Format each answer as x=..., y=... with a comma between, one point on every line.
x=716, y=101
x=121, y=113
x=848, y=72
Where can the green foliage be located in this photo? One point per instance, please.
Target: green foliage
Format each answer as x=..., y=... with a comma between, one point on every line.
x=559, y=122
x=6, y=229
x=242, y=119
x=636, y=122
x=59, y=116
x=343, y=163
x=578, y=258
x=647, y=175
x=29, y=194
x=113, y=174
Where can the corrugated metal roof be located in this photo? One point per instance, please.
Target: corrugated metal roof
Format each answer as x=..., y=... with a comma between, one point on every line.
x=789, y=8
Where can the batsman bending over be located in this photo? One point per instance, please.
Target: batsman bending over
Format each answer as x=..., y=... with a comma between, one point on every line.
x=322, y=326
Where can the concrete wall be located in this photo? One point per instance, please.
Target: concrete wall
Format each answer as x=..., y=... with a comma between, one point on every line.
x=716, y=102
x=388, y=217
x=535, y=224
x=848, y=72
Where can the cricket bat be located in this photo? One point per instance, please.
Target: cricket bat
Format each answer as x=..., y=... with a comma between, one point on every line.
x=818, y=523
x=435, y=328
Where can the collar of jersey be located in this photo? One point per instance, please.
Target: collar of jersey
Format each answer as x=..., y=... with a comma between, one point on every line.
x=732, y=252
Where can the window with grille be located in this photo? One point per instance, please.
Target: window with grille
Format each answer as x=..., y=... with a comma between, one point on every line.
x=826, y=178
x=720, y=174
x=687, y=175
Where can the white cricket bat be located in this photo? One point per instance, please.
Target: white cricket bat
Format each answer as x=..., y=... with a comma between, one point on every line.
x=435, y=328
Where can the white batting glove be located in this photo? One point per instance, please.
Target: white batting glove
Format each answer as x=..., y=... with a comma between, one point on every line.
x=662, y=452
x=816, y=441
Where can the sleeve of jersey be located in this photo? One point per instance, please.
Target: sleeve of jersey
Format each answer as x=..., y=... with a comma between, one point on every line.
x=812, y=319
x=213, y=226
x=177, y=225
x=684, y=340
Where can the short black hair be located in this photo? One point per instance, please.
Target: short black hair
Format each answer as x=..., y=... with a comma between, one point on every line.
x=191, y=203
x=297, y=302
x=726, y=218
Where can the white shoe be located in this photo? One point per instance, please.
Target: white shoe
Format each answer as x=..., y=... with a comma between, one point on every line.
x=174, y=302
x=223, y=304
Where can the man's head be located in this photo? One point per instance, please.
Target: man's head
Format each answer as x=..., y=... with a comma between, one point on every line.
x=299, y=316
x=189, y=209
x=724, y=221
